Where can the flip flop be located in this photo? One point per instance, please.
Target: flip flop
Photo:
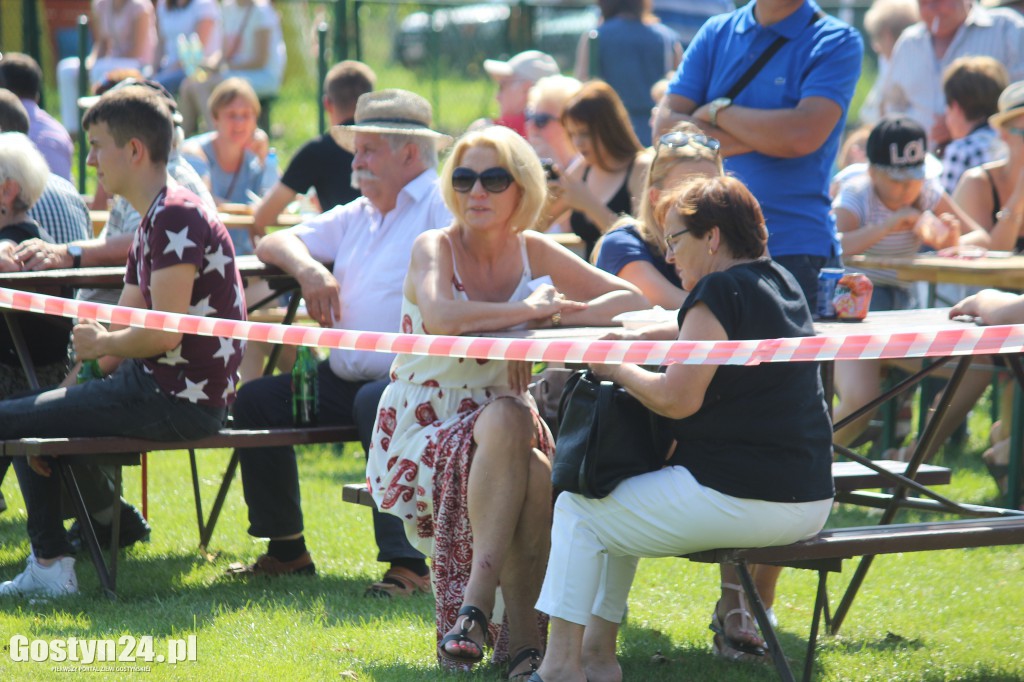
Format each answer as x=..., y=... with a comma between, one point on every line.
x=399, y=581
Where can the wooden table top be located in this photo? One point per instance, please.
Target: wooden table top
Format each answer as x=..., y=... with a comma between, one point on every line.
x=889, y=322
x=112, y=277
x=1002, y=272
x=99, y=219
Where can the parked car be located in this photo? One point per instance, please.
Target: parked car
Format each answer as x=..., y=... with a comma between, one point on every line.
x=468, y=34
x=464, y=36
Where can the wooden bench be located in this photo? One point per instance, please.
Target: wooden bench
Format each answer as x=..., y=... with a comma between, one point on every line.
x=826, y=551
x=848, y=477
x=126, y=451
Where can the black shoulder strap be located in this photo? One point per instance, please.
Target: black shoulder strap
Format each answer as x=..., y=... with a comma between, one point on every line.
x=756, y=67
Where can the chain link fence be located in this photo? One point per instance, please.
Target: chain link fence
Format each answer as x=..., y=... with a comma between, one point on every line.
x=433, y=47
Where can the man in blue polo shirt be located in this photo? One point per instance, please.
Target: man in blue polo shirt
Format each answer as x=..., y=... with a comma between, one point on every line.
x=780, y=133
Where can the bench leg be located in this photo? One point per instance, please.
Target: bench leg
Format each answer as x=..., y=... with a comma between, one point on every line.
x=196, y=495
x=115, y=524
x=207, y=532
x=88, y=533
x=820, y=607
x=778, y=656
x=900, y=491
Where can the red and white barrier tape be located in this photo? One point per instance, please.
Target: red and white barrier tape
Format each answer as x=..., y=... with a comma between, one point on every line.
x=970, y=340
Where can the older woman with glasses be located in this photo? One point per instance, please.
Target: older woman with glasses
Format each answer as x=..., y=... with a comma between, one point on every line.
x=634, y=249
x=458, y=450
x=767, y=483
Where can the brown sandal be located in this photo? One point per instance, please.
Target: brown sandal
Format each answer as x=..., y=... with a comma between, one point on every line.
x=399, y=581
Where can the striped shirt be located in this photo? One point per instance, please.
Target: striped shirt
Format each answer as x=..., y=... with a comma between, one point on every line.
x=857, y=195
x=62, y=212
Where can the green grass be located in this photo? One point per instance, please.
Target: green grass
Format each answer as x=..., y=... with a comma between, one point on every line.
x=920, y=616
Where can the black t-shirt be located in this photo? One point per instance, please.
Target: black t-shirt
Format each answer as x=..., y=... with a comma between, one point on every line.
x=322, y=164
x=763, y=431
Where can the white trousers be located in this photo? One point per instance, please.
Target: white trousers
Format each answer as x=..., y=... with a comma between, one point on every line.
x=596, y=544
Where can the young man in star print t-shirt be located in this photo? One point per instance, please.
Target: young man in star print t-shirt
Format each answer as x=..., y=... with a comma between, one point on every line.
x=160, y=385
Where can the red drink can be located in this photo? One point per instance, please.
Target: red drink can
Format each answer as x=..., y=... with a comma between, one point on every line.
x=853, y=296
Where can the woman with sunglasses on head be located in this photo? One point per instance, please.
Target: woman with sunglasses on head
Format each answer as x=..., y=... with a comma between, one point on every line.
x=606, y=185
x=634, y=249
x=459, y=452
x=767, y=483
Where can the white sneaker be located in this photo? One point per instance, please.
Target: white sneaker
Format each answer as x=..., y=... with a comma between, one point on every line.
x=55, y=580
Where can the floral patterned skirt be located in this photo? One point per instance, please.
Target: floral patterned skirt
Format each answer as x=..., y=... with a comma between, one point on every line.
x=418, y=470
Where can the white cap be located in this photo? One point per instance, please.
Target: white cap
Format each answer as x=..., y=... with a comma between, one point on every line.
x=531, y=65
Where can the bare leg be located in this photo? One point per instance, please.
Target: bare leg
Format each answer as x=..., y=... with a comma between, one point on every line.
x=497, y=492
x=857, y=383
x=523, y=572
x=766, y=578
x=599, y=639
x=563, y=661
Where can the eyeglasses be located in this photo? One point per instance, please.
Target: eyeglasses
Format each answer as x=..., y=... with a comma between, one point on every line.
x=495, y=180
x=669, y=245
x=678, y=140
x=540, y=120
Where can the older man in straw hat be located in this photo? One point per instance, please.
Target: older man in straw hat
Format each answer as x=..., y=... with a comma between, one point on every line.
x=369, y=241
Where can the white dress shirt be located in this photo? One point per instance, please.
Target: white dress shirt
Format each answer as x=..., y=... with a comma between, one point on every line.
x=371, y=256
x=914, y=83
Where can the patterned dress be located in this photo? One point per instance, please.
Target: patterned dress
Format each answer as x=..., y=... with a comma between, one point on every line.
x=422, y=450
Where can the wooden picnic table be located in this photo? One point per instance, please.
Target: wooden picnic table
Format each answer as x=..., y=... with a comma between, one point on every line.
x=997, y=272
x=230, y=219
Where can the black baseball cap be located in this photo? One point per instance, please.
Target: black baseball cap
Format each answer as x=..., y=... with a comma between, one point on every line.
x=898, y=146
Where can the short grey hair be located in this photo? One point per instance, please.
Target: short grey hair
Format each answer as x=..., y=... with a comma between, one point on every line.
x=21, y=161
x=426, y=145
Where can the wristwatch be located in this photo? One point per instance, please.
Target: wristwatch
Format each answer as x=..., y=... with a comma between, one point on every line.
x=717, y=105
x=75, y=252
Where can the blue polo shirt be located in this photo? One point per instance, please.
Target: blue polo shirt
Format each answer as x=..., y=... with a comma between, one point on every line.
x=822, y=60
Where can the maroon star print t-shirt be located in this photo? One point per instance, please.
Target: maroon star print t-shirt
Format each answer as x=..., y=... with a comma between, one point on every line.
x=179, y=229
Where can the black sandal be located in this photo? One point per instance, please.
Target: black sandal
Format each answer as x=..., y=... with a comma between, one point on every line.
x=474, y=617
x=529, y=653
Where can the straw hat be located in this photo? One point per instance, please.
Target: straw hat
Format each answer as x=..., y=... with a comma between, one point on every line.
x=390, y=112
x=1011, y=104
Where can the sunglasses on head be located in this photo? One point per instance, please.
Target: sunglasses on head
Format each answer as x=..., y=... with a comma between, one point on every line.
x=494, y=180
x=540, y=120
x=678, y=140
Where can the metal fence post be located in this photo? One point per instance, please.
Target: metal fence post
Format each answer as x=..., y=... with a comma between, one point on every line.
x=321, y=70
x=356, y=6
x=83, y=87
x=340, y=30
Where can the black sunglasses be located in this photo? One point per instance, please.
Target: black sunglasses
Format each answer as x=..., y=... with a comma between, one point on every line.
x=540, y=120
x=495, y=180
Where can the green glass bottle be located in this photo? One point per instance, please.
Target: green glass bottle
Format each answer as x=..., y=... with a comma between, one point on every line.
x=89, y=370
x=305, y=389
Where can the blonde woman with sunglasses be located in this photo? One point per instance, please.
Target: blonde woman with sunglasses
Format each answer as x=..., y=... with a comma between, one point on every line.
x=458, y=450
x=634, y=249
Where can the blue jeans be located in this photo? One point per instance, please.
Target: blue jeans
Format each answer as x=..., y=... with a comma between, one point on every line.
x=270, y=476
x=127, y=403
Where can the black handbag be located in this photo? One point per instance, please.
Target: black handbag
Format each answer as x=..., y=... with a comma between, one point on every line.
x=604, y=436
